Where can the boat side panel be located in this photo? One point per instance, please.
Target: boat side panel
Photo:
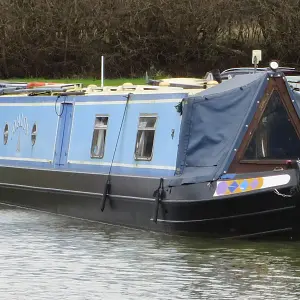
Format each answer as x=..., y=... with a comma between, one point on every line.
x=76, y=183
x=165, y=143
x=43, y=111
x=20, y=119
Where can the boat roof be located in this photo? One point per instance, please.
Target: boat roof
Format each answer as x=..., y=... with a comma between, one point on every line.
x=8, y=89
x=214, y=123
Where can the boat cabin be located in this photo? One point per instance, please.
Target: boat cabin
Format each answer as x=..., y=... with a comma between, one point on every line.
x=129, y=130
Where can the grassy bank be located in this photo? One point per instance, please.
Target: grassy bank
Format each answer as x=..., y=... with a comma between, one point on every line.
x=84, y=81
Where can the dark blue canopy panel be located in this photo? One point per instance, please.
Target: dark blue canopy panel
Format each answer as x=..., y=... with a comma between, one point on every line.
x=214, y=123
x=294, y=95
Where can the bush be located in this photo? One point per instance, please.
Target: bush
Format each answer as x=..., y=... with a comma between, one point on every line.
x=54, y=38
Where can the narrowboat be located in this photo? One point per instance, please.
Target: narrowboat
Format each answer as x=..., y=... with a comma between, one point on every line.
x=220, y=162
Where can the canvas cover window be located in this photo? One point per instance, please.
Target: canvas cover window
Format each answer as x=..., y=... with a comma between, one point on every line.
x=145, y=138
x=99, y=137
x=275, y=137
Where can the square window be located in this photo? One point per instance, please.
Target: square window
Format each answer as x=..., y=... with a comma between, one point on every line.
x=99, y=137
x=145, y=138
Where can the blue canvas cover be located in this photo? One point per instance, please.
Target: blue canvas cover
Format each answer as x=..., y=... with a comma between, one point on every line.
x=294, y=95
x=214, y=123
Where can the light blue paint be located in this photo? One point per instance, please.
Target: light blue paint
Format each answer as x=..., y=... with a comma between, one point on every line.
x=33, y=99
x=122, y=170
x=52, y=135
x=93, y=98
x=133, y=97
x=89, y=168
x=165, y=147
x=63, y=135
x=46, y=121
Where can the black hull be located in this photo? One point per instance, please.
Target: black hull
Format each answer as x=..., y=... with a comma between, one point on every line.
x=131, y=203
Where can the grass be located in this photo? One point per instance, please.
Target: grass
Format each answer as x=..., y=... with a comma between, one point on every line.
x=84, y=81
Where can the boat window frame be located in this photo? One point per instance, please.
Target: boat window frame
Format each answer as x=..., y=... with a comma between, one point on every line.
x=240, y=165
x=145, y=115
x=101, y=156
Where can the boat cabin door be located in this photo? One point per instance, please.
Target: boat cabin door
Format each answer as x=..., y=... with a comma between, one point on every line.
x=63, y=133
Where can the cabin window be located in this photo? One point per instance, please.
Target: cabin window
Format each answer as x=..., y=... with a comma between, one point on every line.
x=99, y=137
x=275, y=137
x=145, y=137
x=33, y=134
x=5, y=134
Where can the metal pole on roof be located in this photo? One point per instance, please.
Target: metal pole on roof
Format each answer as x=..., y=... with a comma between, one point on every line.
x=255, y=63
x=102, y=71
x=256, y=58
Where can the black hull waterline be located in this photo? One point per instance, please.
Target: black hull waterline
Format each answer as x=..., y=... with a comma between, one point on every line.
x=131, y=203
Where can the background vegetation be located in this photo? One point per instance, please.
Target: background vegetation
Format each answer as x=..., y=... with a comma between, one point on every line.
x=55, y=38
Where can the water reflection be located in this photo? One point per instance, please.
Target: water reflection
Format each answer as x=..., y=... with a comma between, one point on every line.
x=51, y=257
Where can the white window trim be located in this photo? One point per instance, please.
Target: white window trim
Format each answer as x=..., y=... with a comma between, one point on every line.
x=146, y=129
x=99, y=127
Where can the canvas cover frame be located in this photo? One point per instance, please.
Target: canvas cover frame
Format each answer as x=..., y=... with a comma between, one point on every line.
x=241, y=165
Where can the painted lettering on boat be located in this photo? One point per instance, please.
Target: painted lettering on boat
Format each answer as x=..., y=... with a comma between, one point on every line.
x=22, y=123
x=230, y=187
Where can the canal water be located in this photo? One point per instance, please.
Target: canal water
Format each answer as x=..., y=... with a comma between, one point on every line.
x=43, y=256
